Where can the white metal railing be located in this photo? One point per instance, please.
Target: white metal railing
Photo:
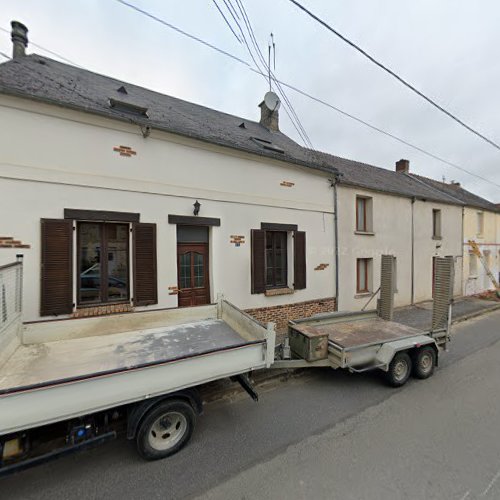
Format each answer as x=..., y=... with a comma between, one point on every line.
x=11, y=294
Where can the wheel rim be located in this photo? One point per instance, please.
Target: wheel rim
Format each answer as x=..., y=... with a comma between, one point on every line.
x=167, y=430
x=426, y=362
x=400, y=369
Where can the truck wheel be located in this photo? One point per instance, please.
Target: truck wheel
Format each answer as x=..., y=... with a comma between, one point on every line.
x=399, y=369
x=424, y=362
x=165, y=429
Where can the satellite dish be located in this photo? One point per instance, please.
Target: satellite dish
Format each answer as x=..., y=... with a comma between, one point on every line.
x=271, y=100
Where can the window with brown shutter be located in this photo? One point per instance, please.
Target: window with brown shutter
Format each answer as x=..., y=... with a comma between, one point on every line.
x=57, y=267
x=145, y=270
x=258, y=267
x=299, y=251
x=269, y=260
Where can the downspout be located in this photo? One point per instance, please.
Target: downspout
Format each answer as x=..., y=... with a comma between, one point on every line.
x=412, y=251
x=334, y=183
x=463, y=285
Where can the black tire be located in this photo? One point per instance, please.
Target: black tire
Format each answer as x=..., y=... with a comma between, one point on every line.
x=165, y=429
x=424, y=362
x=399, y=369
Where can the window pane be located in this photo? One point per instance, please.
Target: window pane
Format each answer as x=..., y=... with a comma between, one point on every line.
x=89, y=238
x=185, y=270
x=117, y=243
x=199, y=270
x=360, y=210
x=362, y=277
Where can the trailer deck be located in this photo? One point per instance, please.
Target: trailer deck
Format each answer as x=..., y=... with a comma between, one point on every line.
x=51, y=363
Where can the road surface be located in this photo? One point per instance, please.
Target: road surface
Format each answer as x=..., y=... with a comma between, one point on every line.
x=329, y=434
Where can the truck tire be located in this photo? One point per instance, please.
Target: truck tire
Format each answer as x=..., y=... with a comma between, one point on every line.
x=424, y=362
x=165, y=429
x=399, y=369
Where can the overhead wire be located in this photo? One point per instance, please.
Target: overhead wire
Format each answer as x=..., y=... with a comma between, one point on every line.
x=394, y=74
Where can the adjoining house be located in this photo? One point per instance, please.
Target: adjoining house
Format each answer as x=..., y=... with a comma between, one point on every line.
x=481, y=225
x=132, y=200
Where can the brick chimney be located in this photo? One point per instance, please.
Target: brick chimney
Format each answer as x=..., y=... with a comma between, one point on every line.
x=19, y=37
x=403, y=166
x=269, y=116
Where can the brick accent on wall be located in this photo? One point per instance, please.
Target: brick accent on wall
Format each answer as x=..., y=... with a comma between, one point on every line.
x=10, y=242
x=86, y=312
x=283, y=313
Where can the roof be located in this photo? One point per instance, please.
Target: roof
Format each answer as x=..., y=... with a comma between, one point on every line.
x=458, y=192
x=43, y=79
x=388, y=181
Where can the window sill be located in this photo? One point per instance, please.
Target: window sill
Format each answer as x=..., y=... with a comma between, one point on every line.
x=473, y=277
x=362, y=294
x=437, y=237
x=278, y=291
x=365, y=233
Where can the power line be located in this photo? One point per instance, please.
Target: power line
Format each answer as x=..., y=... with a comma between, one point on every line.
x=395, y=75
x=226, y=21
x=302, y=132
x=318, y=100
x=4, y=55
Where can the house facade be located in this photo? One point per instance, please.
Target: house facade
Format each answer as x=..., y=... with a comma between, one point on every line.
x=122, y=199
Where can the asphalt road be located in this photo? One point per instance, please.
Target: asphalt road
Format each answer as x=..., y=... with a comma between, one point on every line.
x=232, y=438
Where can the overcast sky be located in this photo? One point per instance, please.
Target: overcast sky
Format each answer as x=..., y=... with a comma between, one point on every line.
x=446, y=48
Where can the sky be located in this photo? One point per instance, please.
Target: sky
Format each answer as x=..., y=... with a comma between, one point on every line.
x=448, y=49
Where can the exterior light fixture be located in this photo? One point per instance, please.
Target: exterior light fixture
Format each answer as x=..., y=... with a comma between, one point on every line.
x=196, y=206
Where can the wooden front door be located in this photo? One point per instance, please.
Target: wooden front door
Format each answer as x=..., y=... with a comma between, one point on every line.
x=192, y=270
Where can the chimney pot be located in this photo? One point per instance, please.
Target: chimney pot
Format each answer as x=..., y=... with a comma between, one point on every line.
x=19, y=36
x=403, y=166
x=269, y=118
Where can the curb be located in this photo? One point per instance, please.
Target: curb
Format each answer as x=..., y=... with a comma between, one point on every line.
x=475, y=314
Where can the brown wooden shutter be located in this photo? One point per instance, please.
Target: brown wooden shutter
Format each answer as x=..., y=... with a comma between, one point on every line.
x=299, y=267
x=145, y=279
x=258, y=259
x=57, y=267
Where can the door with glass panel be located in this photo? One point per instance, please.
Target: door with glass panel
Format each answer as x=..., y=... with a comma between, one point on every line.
x=192, y=265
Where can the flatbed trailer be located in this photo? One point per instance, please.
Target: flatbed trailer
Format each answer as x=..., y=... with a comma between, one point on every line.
x=145, y=364
x=369, y=340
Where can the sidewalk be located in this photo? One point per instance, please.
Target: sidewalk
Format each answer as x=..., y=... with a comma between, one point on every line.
x=420, y=315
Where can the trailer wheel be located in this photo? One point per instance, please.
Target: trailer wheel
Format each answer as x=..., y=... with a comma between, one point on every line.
x=399, y=369
x=424, y=362
x=165, y=429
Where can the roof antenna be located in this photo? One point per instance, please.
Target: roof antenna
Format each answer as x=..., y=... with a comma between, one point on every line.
x=271, y=44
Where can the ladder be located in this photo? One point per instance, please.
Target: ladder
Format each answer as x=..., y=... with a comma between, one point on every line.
x=477, y=251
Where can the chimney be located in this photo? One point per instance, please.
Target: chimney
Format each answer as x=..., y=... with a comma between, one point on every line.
x=269, y=116
x=403, y=166
x=455, y=183
x=19, y=36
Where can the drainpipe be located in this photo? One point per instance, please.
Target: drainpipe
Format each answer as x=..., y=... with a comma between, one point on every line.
x=412, y=251
x=334, y=183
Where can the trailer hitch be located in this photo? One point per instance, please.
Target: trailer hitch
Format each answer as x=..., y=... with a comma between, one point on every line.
x=245, y=383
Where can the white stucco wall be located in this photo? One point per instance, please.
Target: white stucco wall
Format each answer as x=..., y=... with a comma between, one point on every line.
x=53, y=159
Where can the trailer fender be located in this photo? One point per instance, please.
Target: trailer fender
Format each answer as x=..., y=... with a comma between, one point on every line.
x=137, y=411
x=388, y=350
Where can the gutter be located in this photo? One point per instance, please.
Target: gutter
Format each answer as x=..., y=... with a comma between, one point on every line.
x=334, y=183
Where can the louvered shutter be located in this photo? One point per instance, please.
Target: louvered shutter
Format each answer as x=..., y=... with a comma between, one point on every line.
x=299, y=252
x=258, y=259
x=57, y=267
x=145, y=275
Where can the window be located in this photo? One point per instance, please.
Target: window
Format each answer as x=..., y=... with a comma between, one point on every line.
x=436, y=224
x=276, y=259
x=480, y=223
x=363, y=275
x=103, y=262
x=363, y=214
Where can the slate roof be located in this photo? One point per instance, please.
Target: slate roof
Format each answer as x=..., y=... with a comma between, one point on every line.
x=43, y=79
x=458, y=192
